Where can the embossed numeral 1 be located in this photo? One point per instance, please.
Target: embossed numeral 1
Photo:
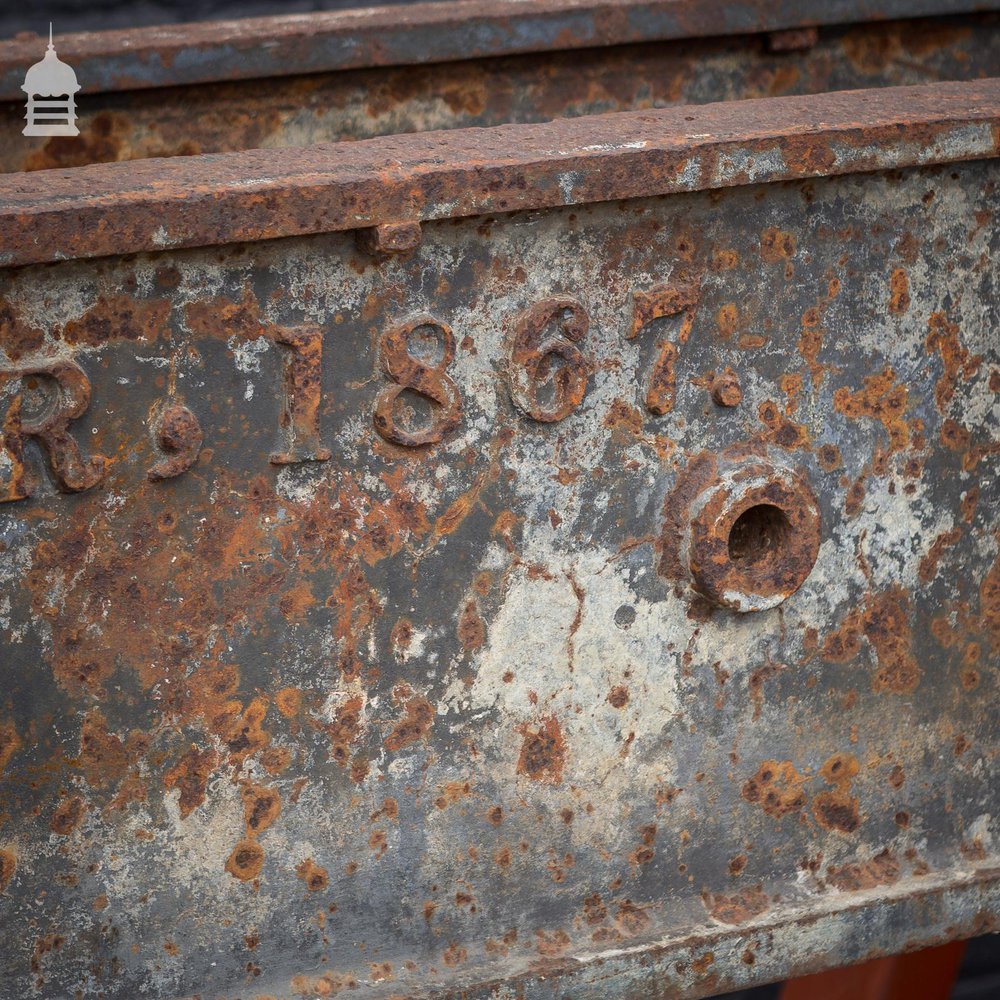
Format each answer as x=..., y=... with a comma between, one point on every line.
x=413, y=374
x=301, y=396
x=50, y=428
x=545, y=334
x=674, y=299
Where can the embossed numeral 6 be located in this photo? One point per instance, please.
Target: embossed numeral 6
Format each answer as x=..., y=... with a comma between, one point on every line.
x=420, y=376
x=544, y=335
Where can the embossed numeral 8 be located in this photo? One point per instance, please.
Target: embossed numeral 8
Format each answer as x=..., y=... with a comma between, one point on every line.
x=547, y=332
x=410, y=373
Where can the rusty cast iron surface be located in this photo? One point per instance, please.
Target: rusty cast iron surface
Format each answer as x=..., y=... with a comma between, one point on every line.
x=358, y=104
x=243, y=49
x=260, y=194
x=363, y=628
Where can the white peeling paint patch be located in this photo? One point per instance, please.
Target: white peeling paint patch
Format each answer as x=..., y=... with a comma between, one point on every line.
x=246, y=354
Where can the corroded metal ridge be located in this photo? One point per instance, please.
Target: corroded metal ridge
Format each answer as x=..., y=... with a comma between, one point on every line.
x=157, y=204
x=422, y=33
x=842, y=930
x=847, y=930
x=305, y=109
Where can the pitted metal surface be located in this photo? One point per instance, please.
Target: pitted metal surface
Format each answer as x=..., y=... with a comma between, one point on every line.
x=391, y=679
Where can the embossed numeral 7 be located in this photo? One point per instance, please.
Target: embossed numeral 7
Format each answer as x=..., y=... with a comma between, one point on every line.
x=678, y=298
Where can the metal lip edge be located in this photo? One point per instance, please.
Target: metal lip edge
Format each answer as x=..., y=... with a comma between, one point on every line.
x=215, y=51
x=162, y=204
x=796, y=938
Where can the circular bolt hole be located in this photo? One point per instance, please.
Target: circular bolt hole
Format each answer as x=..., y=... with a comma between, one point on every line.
x=758, y=533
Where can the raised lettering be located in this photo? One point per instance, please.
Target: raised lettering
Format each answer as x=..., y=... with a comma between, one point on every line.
x=410, y=373
x=545, y=359
x=301, y=396
x=675, y=299
x=68, y=400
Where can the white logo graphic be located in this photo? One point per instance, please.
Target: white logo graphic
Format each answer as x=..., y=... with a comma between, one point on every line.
x=50, y=86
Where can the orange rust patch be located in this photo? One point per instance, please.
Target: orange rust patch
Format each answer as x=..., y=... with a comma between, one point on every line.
x=631, y=919
x=327, y=985
x=190, y=774
x=452, y=792
x=623, y=417
x=261, y=807
x=618, y=696
x=378, y=842
x=543, y=752
x=929, y=563
x=67, y=816
x=16, y=336
x=829, y=457
x=782, y=431
x=989, y=604
x=118, y=317
x=887, y=628
x=103, y=757
x=288, y=701
x=727, y=320
x=810, y=344
x=942, y=337
x=776, y=245
x=551, y=945
x=454, y=955
x=390, y=810
x=246, y=735
x=899, y=292
x=296, y=601
x=345, y=729
x=313, y=875
x=703, y=963
x=881, y=399
x=973, y=850
x=645, y=853
x=724, y=260
x=8, y=865
x=246, y=861
x=870, y=52
x=223, y=318
x=471, y=630
x=10, y=743
x=840, y=769
x=401, y=636
x=776, y=788
x=380, y=971
x=738, y=908
x=883, y=869
x=418, y=717
x=756, y=685
x=838, y=810
x=274, y=760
